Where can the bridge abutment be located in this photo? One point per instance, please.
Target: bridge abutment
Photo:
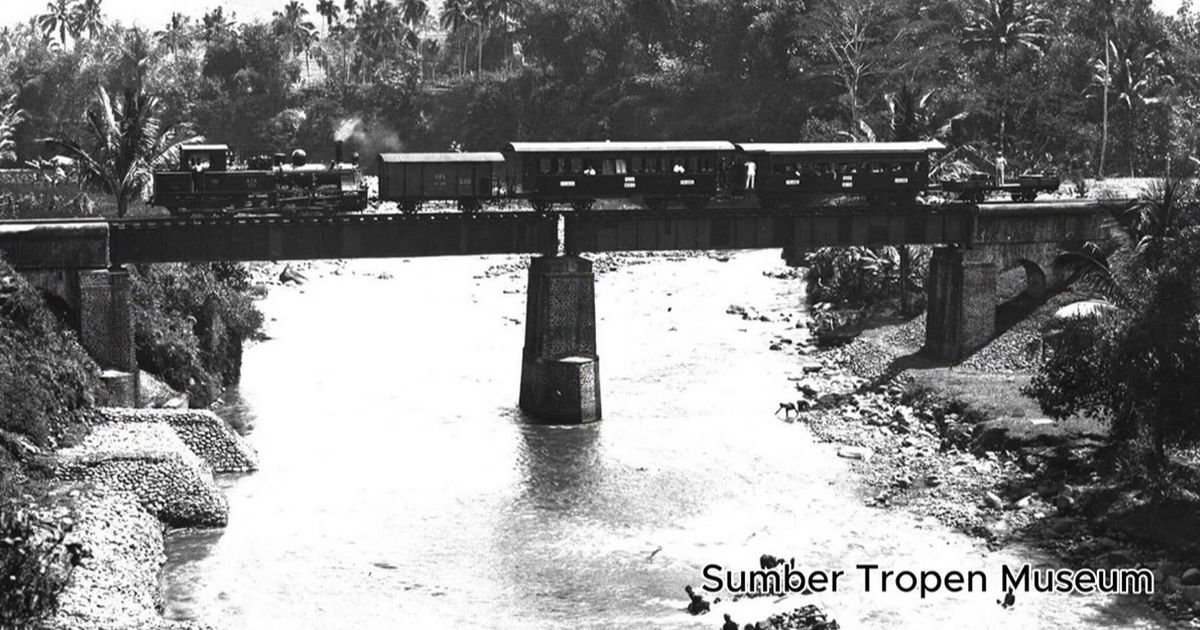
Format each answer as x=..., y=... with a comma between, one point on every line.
x=106, y=331
x=560, y=371
x=961, y=316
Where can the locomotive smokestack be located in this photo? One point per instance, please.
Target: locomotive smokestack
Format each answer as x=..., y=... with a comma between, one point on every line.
x=337, y=151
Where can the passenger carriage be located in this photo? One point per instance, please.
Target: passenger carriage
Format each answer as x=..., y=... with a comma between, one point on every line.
x=792, y=172
x=658, y=173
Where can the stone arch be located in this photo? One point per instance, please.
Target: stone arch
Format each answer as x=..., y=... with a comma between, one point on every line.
x=1021, y=287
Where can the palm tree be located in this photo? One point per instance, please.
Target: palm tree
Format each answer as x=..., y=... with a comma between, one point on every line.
x=125, y=143
x=1136, y=76
x=215, y=23
x=453, y=17
x=58, y=18
x=380, y=30
x=10, y=117
x=414, y=13
x=506, y=12
x=298, y=32
x=1005, y=26
x=88, y=18
x=351, y=7
x=329, y=10
x=176, y=33
x=481, y=13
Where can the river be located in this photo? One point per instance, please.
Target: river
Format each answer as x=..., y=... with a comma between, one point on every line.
x=401, y=487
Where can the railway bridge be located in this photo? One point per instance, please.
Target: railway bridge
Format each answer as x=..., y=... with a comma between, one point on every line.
x=81, y=263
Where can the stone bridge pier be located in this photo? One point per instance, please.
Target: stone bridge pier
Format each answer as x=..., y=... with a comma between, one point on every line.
x=560, y=371
x=96, y=303
x=964, y=311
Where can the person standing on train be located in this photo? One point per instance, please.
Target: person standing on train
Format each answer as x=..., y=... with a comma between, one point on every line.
x=1001, y=165
x=751, y=171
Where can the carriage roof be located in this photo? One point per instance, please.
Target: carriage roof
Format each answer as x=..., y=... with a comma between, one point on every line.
x=842, y=148
x=402, y=158
x=620, y=147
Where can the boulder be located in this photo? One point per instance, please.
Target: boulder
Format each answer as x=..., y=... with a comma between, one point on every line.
x=993, y=500
x=855, y=452
x=1191, y=577
x=291, y=275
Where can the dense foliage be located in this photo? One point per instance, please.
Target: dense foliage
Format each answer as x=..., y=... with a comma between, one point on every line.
x=1092, y=88
x=1136, y=364
x=45, y=375
x=189, y=324
x=862, y=276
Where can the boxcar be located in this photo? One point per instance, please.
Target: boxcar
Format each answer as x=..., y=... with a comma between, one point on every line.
x=411, y=179
x=787, y=172
x=579, y=173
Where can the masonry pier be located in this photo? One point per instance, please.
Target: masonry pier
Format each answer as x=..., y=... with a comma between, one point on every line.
x=106, y=331
x=560, y=371
x=961, y=317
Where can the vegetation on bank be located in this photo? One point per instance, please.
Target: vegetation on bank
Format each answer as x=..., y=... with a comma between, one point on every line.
x=45, y=378
x=1133, y=358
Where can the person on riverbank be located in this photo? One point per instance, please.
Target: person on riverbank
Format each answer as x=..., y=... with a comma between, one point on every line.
x=697, y=605
x=729, y=624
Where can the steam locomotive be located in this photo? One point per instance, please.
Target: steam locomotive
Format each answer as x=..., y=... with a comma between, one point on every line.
x=212, y=178
x=659, y=174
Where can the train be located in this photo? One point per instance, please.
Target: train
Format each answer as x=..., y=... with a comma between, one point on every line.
x=213, y=178
x=559, y=175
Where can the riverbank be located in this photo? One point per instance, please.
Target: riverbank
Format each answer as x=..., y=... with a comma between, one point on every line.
x=137, y=473
x=963, y=445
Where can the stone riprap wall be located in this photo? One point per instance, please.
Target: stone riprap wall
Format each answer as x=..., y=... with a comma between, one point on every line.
x=117, y=588
x=149, y=460
x=204, y=432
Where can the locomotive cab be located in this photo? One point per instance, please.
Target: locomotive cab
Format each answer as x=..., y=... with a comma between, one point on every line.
x=203, y=157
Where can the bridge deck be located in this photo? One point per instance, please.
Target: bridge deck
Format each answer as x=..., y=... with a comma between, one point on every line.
x=95, y=243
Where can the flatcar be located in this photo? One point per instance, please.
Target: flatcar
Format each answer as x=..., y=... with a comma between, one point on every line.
x=209, y=178
x=791, y=172
x=1023, y=188
x=413, y=179
x=657, y=173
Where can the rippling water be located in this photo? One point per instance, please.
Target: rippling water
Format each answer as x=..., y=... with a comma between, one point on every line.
x=400, y=487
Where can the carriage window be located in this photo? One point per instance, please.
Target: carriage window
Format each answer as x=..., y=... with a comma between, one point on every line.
x=693, y=164
x=607, y=167
x=576, y=165
x=621, y=170
x=544, y=166
x=876, y=168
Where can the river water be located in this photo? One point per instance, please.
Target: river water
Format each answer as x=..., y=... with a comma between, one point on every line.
x=401, y=487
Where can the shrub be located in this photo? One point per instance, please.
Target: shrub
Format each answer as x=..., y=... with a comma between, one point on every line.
x=1140, y=366
x=859, y=276
x=35, y=561
x=45, y=375
x=189, y=324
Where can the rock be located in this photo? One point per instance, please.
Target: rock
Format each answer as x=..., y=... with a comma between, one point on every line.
x=993, y=500
x=811, y=368
x=734, y=309
x=775, y=347
x=855, y=452
x=1023, y=502
x=291, y=275
x=1191, y=577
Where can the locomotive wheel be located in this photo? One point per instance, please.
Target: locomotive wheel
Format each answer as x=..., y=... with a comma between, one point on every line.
x=583, y=205
x=540, y=207
x=410, y=207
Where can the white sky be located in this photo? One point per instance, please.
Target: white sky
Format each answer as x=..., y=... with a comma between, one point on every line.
x=154, y=14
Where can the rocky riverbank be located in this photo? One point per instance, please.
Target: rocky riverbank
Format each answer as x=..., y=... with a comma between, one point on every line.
x=960, y=444
x=140, y=471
